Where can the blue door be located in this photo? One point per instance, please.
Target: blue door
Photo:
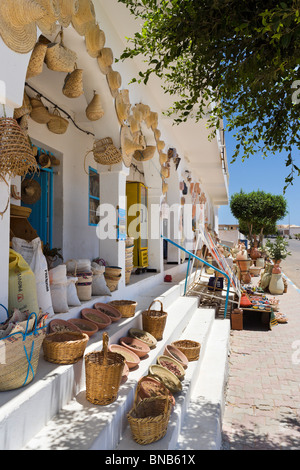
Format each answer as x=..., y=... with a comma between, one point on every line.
x=41, y=217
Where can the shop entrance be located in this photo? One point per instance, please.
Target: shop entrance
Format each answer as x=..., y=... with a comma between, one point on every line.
x=137, y=221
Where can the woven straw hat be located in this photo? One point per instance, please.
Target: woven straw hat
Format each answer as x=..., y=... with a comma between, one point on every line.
x=123, y=106
x=128, y=145
x=48, y=23
x=84, y=17
x=160, y=144
x=94, y=111
x=163, y=158
x=134, y=124
x=105, y=60
x=94, y=40
x=67, y=9
x=18, y=24
x=114, y=81
x=145, y=154
x=30, y=191
x=157, y=134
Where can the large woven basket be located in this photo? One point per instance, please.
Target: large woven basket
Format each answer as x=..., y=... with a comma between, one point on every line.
x=154, y=321
x=106, y=153
x=36, y=62
x=57, y=124
x=19, y=354
x=149, y=418
x=126, y=307
x=65, y=348
x=191, y=349
x=103, y=374
x=59, y=58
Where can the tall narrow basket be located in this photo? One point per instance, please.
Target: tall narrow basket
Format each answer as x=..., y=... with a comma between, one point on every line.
x=103, y=374
x=149, y=418
x=154, y=321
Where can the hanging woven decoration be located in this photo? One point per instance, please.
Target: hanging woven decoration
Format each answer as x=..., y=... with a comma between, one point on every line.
x=114, y=81
x=84, y=18
x=48, y=23
x=16, y=155
x=36, y=63
x=18, y=24
x=94, y=111
x=25, y=109
x=105, y=60
x=57, y=124
x=73, y=86
x=39, y=112
x=105, y=152
x=67, y=8
x=59, y=58
x=94, y=40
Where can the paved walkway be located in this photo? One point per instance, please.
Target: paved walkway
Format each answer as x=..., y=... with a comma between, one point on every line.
x=262, y=410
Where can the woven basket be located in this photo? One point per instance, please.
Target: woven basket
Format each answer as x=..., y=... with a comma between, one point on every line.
x=105, y=153
x=112, y=281
x=57, y=124
x=36, y=62
x=191, y=349
x=25, y=109
x=73, y=85
x=19, y=353
x=65, y=348
x=59, y=58
x=94, y=111
x=154, y=321
x=126, y=307
x=103, y=374
x=84, y=286
x=149, y=418
x=16, y=156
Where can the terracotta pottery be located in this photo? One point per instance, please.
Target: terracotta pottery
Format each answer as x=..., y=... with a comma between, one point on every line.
x=175, y=353
x=276, y=285
x=58, y=326
x=85, y=326
x=98, y=318
x=140, y=348
x=254, y=252
x=150, y=387
x=131, y=359
x=108, y=310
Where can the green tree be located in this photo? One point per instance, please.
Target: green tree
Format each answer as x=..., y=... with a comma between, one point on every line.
x=257, y=212
x=240, y=56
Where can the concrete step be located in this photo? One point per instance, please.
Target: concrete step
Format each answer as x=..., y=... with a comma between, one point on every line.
x=81, y=425
x=202, y=427
x=25, y=411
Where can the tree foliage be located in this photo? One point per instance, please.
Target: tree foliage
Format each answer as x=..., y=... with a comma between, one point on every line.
x=258, y=212
x=242, y=56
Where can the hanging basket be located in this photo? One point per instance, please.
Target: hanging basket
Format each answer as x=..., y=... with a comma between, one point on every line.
x=21, y=352
x=94, y=111
x=25, y=109
x=65, y=348
x=39, y=113
x=59, y=58
x=57, y=124
x=36, y=62
x=154, y=321
x=16, y=156
x=94, y=40
x=73, y=85
x=149, y=418
x=103, y=374
x=106, y=153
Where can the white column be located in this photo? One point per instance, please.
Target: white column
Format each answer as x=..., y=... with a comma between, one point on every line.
x=112, y=196
x=155, y=242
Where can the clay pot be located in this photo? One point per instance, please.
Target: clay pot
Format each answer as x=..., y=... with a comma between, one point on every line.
x=135, y=345
x=276, y=285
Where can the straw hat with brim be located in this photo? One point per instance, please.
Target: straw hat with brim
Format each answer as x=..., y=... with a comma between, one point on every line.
x=94, y=40
x=48, y=23
x=18, y=24
x=123, y=105
x=134, y=124
x=67, y=9
x=85, y=17
x=128, y=145
x=105, y=60
x=30, y=191
x=114, y=81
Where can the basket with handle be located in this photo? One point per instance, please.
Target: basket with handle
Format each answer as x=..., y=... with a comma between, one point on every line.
x=103, y=374
x=19, y=354
x=154, y=321
x=149, y=418
x=65, y=347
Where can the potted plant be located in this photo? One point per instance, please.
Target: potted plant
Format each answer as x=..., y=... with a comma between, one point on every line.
x=277, y=250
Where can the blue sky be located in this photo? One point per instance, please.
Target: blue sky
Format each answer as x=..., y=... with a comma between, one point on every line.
x=264, y=174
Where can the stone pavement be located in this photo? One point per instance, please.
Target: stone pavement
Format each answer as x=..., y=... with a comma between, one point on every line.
x=262, y=409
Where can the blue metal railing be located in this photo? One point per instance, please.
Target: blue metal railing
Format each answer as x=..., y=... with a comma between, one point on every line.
x=192, y=255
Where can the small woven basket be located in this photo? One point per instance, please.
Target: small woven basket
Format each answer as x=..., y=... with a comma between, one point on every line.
x=57, y=124
x=103, y=374
x=112, y=281
x=154, y=321
x=126, y=307
x=65, y=348
x=73, y=85
x=149, y=418
x=191, y=349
